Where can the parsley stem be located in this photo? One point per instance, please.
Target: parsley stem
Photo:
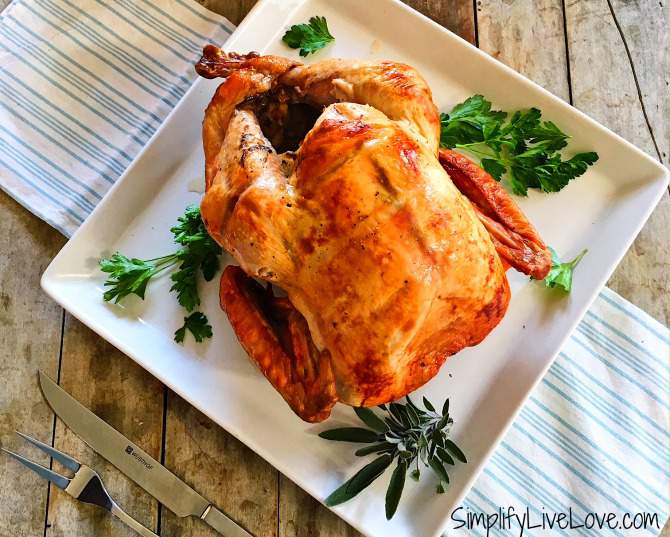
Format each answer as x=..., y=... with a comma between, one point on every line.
x=161, y=260
x=161, y=268
x=470, y=147
x=577, y=259
x=464, y=146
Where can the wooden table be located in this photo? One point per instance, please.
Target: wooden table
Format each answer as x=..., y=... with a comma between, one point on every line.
x=607, y=57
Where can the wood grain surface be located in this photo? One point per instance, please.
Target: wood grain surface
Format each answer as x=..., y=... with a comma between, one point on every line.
x=607, y=57
x=30, y=334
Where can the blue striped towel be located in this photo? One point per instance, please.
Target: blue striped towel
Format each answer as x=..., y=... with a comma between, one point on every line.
x=84, y=84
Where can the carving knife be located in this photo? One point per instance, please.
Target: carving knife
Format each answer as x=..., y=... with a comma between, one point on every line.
x=135, y=463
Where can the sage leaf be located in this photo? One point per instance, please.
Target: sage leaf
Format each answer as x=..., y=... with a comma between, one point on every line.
x=361, y=479
x=404, y=434
x=428, y=405
x=455, y=450
x=374, y=448
x=371, y=419
x=444, y=456
x=394, y=491
x=439, y=469
x=445, y=408
x=399, y=413
x=350, y=434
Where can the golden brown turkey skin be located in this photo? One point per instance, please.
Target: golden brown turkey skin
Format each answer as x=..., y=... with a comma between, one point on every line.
x=387, y=266
x=394, y=272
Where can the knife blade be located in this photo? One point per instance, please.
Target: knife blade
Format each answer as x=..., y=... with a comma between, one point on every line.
x=134, y=462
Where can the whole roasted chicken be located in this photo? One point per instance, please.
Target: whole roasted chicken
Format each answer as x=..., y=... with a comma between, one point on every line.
x=327, y=181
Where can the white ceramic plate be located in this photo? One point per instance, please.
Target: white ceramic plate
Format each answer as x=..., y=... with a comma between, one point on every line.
x=602, y=211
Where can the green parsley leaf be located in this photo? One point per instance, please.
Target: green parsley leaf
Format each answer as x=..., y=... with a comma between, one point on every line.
x=561, y=273
x=188, y=226
x=309, y=37
x=471, y=121
x=495, y=168
x=199, y=253
x=555, y=173
x=210, y=264
x=197, y=324
x=186, y=282
x=130, y=276
x=522, y=148
x=549, y=135
x=191, y=233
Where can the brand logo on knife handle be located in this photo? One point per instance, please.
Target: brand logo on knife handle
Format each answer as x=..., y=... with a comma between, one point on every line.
x=140, y=459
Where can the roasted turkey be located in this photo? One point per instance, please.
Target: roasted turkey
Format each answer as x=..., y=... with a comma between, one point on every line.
x=385, y=254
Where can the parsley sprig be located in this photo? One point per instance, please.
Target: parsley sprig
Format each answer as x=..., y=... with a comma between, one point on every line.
x=561, y=273
x=407, y=434
x=309, y=37
x=198, y=254
x=522, y=147
x=197, y=324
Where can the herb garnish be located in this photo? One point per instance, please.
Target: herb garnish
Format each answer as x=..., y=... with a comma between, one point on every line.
x=561, y=273
x=524, y=148
x=408, y=434
x=197, y=324
x=308, y=37
x=198, y=254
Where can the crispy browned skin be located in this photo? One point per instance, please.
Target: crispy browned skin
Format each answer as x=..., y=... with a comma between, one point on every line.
x=284, y=353
x=387, y=266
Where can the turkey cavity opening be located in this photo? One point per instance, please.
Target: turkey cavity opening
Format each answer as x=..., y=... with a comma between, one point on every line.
x=284, y=119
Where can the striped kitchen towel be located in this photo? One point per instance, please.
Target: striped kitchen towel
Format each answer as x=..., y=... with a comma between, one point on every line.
x=83, y=86
x=85, y=83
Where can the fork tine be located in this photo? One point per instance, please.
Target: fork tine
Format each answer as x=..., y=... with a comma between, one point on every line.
x=64, y=459
x=60, y=481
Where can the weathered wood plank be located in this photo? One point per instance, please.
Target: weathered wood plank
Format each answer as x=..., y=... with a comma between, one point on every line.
x=643, y=25
x=528, y=36
x=222, y=469
x=610, y=96
x=30, y=331
x=131, y=401
x=233, y=10
x=302, y=516
x=456, y=15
